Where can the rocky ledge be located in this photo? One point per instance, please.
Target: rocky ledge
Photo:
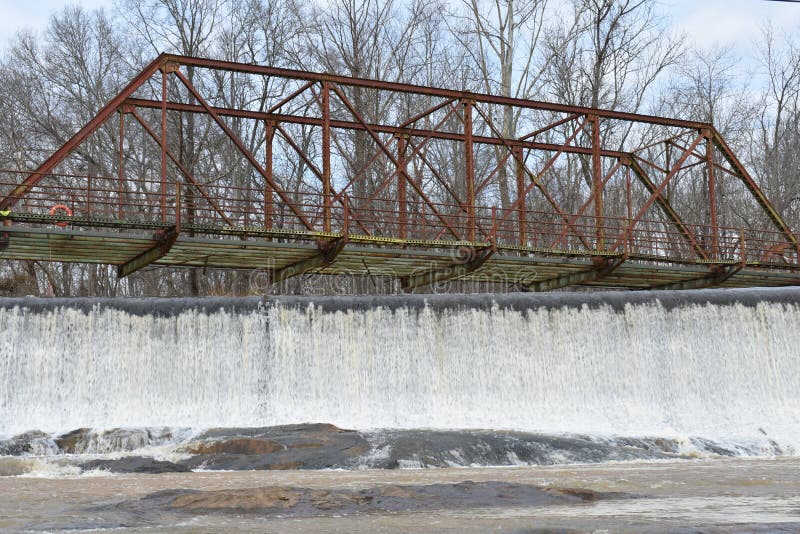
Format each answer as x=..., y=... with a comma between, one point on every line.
x=306, y=502
x=325, y=446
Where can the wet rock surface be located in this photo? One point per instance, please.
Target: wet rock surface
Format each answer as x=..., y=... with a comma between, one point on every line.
x=306, y=502
x=86, y=440
x=33, y=442
x=415, y=448
x=312, y=446
x=135, y=464
x=325, y=446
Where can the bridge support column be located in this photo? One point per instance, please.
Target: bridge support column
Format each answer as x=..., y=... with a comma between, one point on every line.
x=326, y=156
x=401, y=186
x=522, y=213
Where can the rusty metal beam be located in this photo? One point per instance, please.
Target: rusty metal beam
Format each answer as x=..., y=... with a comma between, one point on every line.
x=431, y=91
x=326, y=255
x=379, y=128
x=164, y=239
x=601, y=270
x=717, y=276
x=473, y=261
x=374, y=135
x=536, y=181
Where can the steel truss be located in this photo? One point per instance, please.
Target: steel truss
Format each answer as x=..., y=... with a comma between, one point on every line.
x=413, y=192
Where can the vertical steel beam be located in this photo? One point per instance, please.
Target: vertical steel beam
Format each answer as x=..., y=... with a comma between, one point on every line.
x=177, y=207
x=522, y=212
x=164, y=74
x=629, y=208
x=326, y=156
x=712, y=195
x=89, y=184
x=121, y=166
x=269, y=131
x=401, y=186
x=469, y=167
x=659, y=192
x=597, y=187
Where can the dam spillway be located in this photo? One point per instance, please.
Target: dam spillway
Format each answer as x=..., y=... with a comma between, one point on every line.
x=722, y=364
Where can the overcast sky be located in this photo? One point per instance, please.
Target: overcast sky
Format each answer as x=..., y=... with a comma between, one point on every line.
x=728, y=22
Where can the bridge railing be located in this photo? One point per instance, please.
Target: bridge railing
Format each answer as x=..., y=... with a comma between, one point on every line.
x=111, y=202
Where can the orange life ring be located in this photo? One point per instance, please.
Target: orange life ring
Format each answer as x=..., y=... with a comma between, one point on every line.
x=57, y=207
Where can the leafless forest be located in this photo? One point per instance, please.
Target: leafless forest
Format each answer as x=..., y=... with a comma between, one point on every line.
x=614, y=54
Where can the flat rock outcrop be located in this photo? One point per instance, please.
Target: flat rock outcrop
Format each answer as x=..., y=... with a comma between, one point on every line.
x=311, y=446
x=306, y=502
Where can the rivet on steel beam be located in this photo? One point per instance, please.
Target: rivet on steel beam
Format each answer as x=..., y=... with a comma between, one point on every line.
x=170, y=66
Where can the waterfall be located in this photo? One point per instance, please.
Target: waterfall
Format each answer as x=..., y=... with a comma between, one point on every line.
x=719, y=364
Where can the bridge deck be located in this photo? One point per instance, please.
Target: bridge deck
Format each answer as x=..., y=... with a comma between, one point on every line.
x=272, y=251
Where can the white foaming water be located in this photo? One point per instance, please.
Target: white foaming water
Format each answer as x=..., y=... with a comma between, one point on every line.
x=725, y=372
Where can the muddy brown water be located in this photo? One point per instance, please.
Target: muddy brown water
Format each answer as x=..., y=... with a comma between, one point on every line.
x=715, y=495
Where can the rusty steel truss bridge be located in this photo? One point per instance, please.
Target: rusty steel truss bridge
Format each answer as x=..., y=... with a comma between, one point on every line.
x=330, y=174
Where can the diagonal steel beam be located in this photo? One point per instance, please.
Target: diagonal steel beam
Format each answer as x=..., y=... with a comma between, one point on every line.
x=549, y=127
x=164, y=239
x=665, y=205
x=417, y=150
x=458, y=269
x=751, y=185
x=601, y=270
x=427, y=112
x=536, y=181
x=326, y=255
x=585, y=205
x=658, y=194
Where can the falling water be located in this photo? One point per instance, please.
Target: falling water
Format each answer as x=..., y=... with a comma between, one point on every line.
x=721, y=364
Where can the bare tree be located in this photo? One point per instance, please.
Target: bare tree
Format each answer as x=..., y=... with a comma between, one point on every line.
x=55, y=82
x=503, y=39
x=777, y=134
x=708, y=88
